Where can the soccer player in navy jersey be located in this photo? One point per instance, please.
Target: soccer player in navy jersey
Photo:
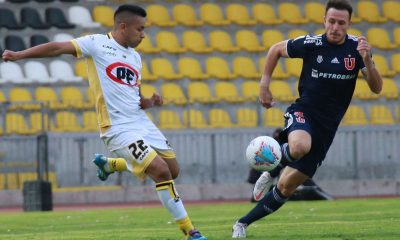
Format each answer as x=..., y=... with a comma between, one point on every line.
x=331, y=63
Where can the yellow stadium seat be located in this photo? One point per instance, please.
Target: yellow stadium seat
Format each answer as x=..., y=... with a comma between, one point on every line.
x=147, y=90
x=16, y=124
x=391, y=10
x=221, y=41
x=39, y=122
x=369, y=11
x=184, y=14
x=396, y=36
x=354, y=32
x=49, y=97
x=104, y=15
x=273, y=117
x=363, y=92
x=2, y=97
x=314, y=12
x=246, y=117
x=294, y=33
x=270, y=37
x=247, y=40
x=158, y=15
x=290, y=13
x=200, y=92
x=190, y=67
x=26, y=176
x=163, y=69
x=168, y=41
x=194, y=119
x=379, y=38
x=244, y=67
x=382, y=66
x=81, y=68
x=89, y=120
x=390, y=89
x=72, y=97
x=278, y=72
x=219, y=118
x=217, y=67
x=227, y=92
x=238, y=14
x=281, y=91
x=396, y=62
x=173, y=94
x=169, y=120
x=65, y=121
x=12, y=181
x=22, y=98
x=264, y=13
x=250, y=90
x=381, y=114
x=194, y=41
x=146, y=75
x=2, y=181
x=355, y=115
x=212, y=14
x=146, y=46
x=294, y=66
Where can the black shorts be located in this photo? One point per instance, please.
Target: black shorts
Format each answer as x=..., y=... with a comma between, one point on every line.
x=320, y=143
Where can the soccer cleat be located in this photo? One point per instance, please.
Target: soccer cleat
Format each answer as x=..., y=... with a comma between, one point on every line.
x=195, y=235
x=262, y=186
x=100, y=162
x=239, y=230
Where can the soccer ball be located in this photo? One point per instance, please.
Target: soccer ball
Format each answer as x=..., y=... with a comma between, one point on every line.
x=263, y=153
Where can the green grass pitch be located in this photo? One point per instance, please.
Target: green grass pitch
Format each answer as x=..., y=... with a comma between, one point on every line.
x=376, y=219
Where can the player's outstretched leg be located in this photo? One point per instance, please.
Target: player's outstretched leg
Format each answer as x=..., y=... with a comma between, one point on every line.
x=107, y=166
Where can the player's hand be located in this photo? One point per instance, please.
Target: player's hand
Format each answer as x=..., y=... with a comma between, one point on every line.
x=10, y=55
x=265, y=97
x=157, y=99
x=364, y=48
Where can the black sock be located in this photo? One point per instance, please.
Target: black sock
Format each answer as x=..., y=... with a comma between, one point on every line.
x=269, y=204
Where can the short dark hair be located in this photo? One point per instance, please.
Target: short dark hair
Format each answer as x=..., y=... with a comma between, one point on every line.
x=339, y=5
x=134, y=9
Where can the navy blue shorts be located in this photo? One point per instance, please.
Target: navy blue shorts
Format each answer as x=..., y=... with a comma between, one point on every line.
x=320, y=143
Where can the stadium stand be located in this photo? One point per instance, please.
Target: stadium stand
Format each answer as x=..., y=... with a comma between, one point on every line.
x=200, y=92
x=184, y=14
x=391, y=10
x=169, y=119
x=38, y=39
x=194, y=41
x=212, y=14
x=159, y=15
x=37, y=72
x=194, y=119
x=191, y=68
x=56, y=18
x=265, y=14
x=103, y=15
x=246, y=117
x=81, y=16
x=247, y=40
x=219, y=118
x=8, y=20
x=31, y=18
x=221, y=41
x=14, y=43
x=238, y=14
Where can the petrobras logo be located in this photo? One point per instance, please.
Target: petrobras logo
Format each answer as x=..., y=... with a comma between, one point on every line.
x=313, y=40
x=316, y=74
x=123, y=73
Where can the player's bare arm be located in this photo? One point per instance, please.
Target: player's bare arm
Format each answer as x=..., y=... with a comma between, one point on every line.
x=277, y=51
x=370, y=73
x=50, y=49
x=155, y=100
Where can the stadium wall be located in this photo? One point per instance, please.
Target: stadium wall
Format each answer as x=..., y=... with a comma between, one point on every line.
x=361, y=162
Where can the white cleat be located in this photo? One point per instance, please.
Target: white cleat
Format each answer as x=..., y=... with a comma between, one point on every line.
x=262, y=186
x=239, y=230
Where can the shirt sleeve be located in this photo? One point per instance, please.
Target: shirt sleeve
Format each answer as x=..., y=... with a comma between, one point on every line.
x=84, y=46
x=296, y=48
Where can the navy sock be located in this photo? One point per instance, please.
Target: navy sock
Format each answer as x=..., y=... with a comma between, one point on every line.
x=269, y=204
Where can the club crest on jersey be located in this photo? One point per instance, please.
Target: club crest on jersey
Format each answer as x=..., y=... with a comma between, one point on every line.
x=320, y=59
x=349, y=63
x=123, y=73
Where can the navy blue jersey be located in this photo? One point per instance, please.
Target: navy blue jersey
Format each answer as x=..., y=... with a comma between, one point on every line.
x=328, y=77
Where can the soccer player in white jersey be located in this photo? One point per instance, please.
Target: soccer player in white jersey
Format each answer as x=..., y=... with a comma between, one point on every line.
x=114, y=70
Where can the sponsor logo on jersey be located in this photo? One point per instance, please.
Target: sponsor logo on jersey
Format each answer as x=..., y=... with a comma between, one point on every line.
x=123, y=73
x=335, y=60
x=316, y=74
x=320, y=59
x=349, y=63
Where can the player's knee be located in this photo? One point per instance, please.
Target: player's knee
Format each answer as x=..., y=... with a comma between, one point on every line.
x=175, y=172
x=299, y=148
x=158, y=170
x=286, y=189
